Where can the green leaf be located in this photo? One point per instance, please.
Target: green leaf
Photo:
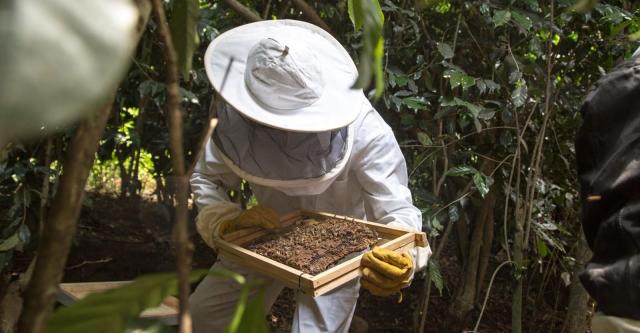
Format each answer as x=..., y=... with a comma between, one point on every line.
x=583, y=6
x=367, y=14
x=355, y=14
x=415, y=102
x=522, y=21
x=461, y=171
x=111, y=311
x=482, y=183
x=459, y=78
x=253, y=316
x=519, y=96
x=473, y=109
x=10, y=242
x=543, y=250
x=436, y=276
x=454, y=214
x=501, y=17
x=424, y=139
x=184, y=32
x=445, y=50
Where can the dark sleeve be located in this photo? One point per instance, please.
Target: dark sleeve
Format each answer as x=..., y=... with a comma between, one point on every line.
x=608, y=162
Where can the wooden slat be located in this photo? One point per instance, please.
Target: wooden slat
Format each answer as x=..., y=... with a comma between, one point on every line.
x=378, y=227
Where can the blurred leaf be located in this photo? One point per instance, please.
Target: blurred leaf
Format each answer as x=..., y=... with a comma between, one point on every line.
x=367, y=14
x=424, y=139
x=111, y=311
x=445, y=50
x=253, y=316
x=184, y=32
x=522, y=21
x=583, y=6
x=501, y=17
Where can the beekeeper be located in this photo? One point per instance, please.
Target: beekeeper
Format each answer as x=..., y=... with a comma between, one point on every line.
x=293, y=128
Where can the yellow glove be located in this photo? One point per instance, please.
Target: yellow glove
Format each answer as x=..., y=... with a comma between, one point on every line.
x=257, y=216
x=385, y=272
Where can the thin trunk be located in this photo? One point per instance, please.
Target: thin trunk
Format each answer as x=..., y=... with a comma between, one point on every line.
x=57, y=235
x=184, y=247
x=58, y=232
x=576, y=320
x=516, y=303
x=467, y=293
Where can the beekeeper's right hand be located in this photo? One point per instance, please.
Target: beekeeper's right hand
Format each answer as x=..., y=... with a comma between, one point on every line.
x=257, y=216
x=227, y=217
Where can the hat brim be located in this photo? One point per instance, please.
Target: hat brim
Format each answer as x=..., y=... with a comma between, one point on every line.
x=339, y=104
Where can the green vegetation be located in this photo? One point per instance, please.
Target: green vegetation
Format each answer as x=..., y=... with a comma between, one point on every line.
x=482, y=96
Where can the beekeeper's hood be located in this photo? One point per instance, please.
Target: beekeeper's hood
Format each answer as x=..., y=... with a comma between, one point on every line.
x=287, y=86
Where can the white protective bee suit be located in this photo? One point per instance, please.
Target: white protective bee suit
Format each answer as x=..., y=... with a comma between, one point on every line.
x=349, y=164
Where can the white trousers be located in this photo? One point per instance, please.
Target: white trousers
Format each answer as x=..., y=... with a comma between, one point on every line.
x=213, y=302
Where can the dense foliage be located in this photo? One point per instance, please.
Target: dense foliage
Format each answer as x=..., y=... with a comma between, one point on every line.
x=483, y=98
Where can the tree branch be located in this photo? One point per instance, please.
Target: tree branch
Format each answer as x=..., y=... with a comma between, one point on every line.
x=311, y=14
x=243, y=11
x=184, y=248
x=55, y=241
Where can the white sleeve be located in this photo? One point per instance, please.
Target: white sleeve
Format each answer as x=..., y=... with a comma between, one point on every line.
x=212, y=179
x=382, y=172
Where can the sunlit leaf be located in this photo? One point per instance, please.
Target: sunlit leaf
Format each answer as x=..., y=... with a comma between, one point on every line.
x=543, y=250
x=459, y=78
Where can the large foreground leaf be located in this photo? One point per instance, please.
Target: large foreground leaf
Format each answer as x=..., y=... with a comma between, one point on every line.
x=115, y=309
x=184, y=32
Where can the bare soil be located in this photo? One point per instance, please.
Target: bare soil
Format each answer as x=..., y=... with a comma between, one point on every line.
x=121, y=239
x=313, y=245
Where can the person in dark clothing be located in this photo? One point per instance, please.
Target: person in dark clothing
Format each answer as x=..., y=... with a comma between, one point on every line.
x=608, y=163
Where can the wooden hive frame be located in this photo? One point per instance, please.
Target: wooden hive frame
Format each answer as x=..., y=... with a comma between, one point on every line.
x=393, y=238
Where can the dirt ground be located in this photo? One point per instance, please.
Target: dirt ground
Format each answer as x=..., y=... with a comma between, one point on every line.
x=120, y=239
